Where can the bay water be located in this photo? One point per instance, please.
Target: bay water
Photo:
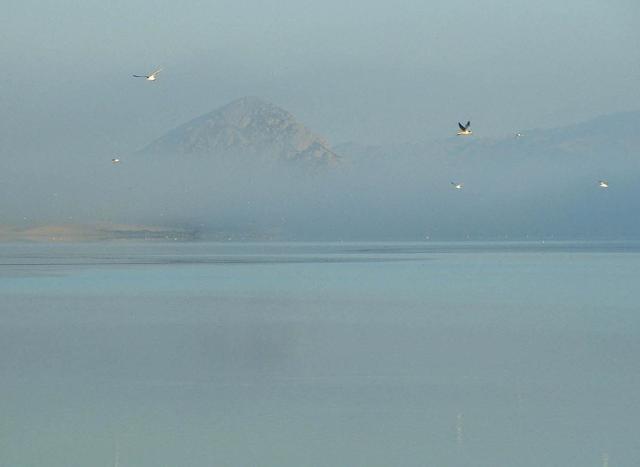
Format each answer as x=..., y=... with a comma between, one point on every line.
x=327, y=354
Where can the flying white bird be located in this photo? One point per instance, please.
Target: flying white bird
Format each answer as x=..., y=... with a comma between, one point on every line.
x=518, y=135
x=465, y=129
x=457, y=185
x=115, y=160
x=150, y=77
x=603, y=184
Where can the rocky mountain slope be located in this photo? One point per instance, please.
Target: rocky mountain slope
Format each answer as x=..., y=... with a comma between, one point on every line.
x=247, y=127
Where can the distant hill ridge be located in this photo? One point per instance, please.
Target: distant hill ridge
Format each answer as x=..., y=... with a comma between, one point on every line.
x=248, y=126
x=609, y=137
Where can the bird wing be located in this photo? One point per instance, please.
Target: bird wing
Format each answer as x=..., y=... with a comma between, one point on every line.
x=468, y=125
x=156, y=72
x=140, y=76
x=461, y=126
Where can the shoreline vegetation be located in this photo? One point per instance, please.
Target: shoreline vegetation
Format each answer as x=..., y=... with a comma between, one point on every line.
x=88, y=233
x=69, y=233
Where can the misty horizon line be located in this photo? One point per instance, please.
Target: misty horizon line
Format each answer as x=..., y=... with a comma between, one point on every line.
x=186, y=232
x=536, y=187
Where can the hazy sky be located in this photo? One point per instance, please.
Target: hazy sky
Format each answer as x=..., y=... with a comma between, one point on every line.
x=354, y=71
x=361, y=71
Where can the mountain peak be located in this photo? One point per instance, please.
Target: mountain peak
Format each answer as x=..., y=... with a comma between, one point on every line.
x=246, y=126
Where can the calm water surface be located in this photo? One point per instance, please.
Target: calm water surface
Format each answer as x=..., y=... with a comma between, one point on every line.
x=386, y=354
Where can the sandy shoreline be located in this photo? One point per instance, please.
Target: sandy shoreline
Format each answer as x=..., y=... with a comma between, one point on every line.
x=99, y=232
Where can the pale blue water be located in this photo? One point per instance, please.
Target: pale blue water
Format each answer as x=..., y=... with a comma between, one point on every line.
x=397, y=354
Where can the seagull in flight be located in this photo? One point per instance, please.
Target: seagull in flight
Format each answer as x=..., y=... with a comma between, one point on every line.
x=518, y=135
x=465, y=129
x=603, y=184
x=115, y=160
x=457, y=185
x=150, y=77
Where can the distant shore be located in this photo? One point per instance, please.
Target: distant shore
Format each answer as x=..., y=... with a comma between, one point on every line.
x=88, y=233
